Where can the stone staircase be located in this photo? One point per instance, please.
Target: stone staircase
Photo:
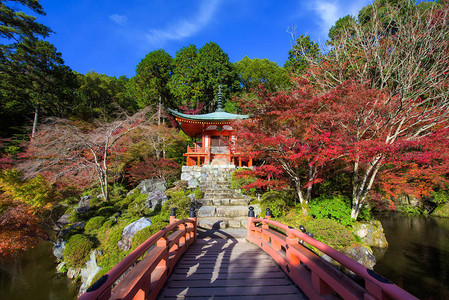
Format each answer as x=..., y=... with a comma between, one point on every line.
x=221, y=207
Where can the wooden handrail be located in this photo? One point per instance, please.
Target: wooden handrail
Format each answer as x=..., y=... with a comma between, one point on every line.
x=196, y=149
x=149, y=274
x=316, y=277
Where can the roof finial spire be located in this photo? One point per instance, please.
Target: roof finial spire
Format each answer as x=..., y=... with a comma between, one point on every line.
x=219, y=102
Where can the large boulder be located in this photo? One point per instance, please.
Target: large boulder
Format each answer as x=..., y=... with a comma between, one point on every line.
x=84, y=204
x=130, y=230
x=149, y=185
x=58, y=249
x=361, y=254
x=76, y=225
x=407, y=200
x=442, y=211
x=89, y=271
x=156, y=198
x=371, y=233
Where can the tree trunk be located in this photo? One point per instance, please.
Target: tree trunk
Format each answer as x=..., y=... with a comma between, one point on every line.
x=304, y=202
x=312, y=173
x=36, y=118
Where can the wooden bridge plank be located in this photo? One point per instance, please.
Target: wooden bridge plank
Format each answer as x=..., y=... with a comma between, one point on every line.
x=273, y=274
x=229, y=282
x=232, y=291
x=228, y=269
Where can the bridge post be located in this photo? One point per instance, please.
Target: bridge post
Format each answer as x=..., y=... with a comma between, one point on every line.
x=172, y=215
x=249, y=223
x=192, y=216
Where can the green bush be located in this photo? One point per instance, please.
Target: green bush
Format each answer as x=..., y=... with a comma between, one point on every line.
x=109, y=237
x=409, y=210
x=94, y=223
x=334, y=208
x=242, y=177
x=138, y=207
x=198, y=193
x=179, y=201
x=277, y=201
x=108, y=224
x=144, y=234
x=77, y=250
x=440, y=196
x=331, y=233
x=106, y=211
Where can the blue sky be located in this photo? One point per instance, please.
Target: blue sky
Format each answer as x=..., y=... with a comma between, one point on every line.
x=112, y=36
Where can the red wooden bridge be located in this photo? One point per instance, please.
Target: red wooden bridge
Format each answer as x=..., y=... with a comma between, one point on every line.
x=176, y=264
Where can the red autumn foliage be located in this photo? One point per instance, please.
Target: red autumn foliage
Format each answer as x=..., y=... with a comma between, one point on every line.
x=20, y=228
x=152, y=167
x=369, y=133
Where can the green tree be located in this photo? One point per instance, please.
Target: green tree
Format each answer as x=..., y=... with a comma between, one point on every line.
x=253, y=72
x=152, y=78
x=15, y=25
x=198, y=73
x=343, y=27
x=185, y=83
x=303, y=46
x=34, y=76
x=215, y=69
x=99, y=96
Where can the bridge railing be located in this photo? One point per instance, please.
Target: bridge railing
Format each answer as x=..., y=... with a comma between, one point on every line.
x=317, y=278
x=144, y=271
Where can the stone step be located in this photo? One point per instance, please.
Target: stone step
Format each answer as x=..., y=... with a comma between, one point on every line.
x=218, y=194
x=223, y=201
x=222, y=222
x=223, y=211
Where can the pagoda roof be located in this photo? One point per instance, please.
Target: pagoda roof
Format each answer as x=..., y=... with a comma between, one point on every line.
x=218, y=115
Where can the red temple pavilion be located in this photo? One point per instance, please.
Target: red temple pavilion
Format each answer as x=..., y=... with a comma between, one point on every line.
x=214, y=137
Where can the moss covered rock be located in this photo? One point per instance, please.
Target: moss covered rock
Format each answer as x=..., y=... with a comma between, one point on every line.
x=94, y=223
x=371, y=233
x=442, y=211
x=77, y=250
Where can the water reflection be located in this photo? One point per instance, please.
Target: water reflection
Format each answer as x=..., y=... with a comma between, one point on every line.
x=417, y=258
x=32, y=275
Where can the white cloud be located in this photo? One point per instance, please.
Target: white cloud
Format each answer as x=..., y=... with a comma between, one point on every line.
x=330, y=11
x=119, y=19
x=185, y=28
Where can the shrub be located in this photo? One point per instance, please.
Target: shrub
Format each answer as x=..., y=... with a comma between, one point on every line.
x=198, y=193
x=138, y=206
x=179, y=201
x=335, y=208
x=440, y=197
x=77, y=250
x=277, y=202
x=144, y=234
x=94, y=223
x=108, y=224
x=242, y=177
x=106, y=211
x=331, y=233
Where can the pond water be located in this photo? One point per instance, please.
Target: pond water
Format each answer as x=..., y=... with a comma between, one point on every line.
x=417, y=258
x=32, y=275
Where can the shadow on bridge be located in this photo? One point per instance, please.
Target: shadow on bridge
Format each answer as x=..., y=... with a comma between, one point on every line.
x=222, y=264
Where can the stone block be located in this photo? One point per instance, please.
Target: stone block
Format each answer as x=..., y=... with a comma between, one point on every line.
x=232, y=211
x=234, y=223
x=156, y=198
x=130, y=230
x=206, y=211
x=149, y=185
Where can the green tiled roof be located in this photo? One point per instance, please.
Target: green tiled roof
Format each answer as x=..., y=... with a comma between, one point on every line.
x=218, y=115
